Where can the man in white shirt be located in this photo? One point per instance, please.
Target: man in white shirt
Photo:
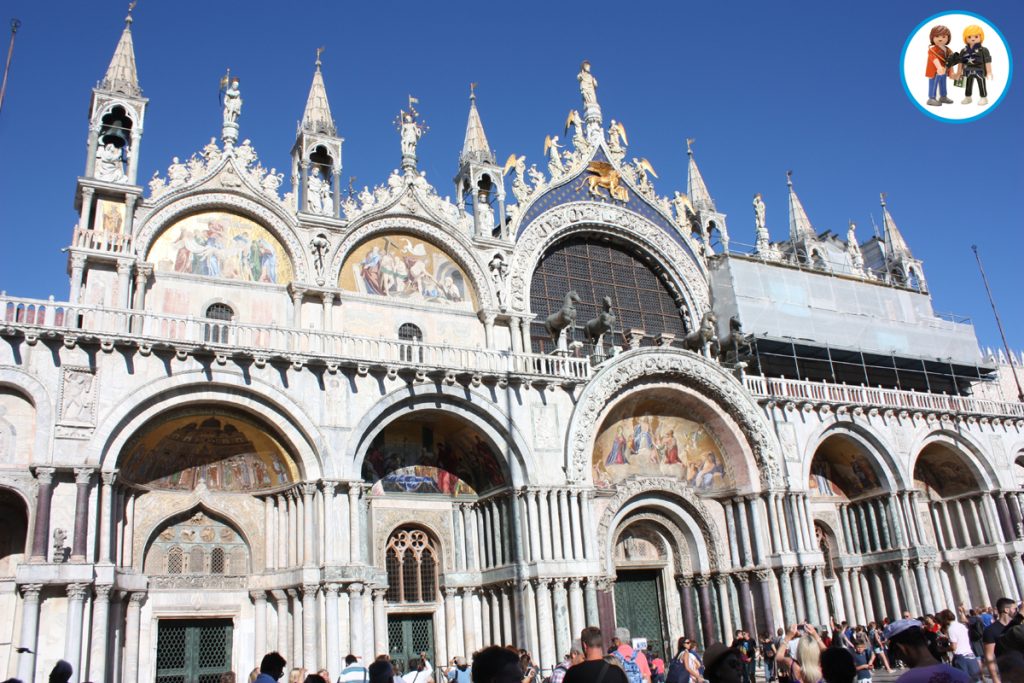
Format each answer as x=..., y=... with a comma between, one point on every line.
x=963, y=656
x=354, y=672
x=420, y=670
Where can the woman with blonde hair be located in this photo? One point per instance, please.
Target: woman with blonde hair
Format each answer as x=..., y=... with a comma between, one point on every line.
x=296, y=675
x=805, y=667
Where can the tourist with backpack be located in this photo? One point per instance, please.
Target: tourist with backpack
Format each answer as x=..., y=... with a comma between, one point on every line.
x=768, y=656
x=685, y=667
x=633, y=662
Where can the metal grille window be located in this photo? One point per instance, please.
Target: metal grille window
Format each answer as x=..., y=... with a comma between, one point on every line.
x=413, y=336
x=175, y=561
x=217, y=561
x=193, y=651
x=217, y=333
x=595, y=268
x=197, y=544
x=411, y=561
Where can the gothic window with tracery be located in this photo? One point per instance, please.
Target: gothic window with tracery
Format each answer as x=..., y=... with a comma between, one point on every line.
x=411, y=562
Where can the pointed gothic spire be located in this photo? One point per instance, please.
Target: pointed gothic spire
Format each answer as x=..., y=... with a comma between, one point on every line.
x=121, y=74
x=475, y=147
x=695, y=187
x=895, y=245
x=317, y=116
x=800, y=227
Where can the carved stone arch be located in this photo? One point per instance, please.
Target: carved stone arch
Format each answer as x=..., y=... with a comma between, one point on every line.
x=686, y=273
x=427, y=524
x=703, y=376
x=680, y=505
x=472, y=406
x=174, y=206
x=887, y=466
x=969, y=451
x=39, y=397
x=129, y=109
x=673, y=536
x=196, y=502
x=456, y=246
x=300, y=435
x=830, y=539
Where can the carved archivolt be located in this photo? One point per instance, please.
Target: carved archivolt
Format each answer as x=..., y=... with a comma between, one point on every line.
x=675, y=491
x=557, y=223
x=273, y=221
x=703, y=375
x=459, y=250
x=650, y=527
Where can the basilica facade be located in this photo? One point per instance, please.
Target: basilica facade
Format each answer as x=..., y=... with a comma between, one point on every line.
x=321, y=421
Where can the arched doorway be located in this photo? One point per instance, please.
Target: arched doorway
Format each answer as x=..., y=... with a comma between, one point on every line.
x=13, y=534
x=412, y=558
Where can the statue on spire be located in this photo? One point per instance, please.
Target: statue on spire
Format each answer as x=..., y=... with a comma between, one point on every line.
x=588, y=85
x=231, y=98
x=411, y=130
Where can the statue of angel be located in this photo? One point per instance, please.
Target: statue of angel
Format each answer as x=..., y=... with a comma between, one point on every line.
x=365, y=198
x=579, y=140
x=519, y=187
x=551, y=147
x=681, y=203
x=272, y=181
x=588, y=85
x=232, y=103
x=395, y=182
x=211, y=152
x=617, y=139
x=157, y=185
x=643, y=168
x=177, y=173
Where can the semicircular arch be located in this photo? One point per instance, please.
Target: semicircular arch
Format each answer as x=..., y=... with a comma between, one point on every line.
x=680, y=510
x=704, y=378
x=455, y=246
x=37, y=394
x=963, y=449
x=177, y=511
x=299, y=434
x=271, y=217
x=867, y=442
x=478, y=411
x=685, y=272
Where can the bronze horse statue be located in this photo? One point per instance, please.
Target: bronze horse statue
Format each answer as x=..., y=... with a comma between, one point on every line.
x=704, y=335
x=737, y=342
x=602, y=324
x=563, y=317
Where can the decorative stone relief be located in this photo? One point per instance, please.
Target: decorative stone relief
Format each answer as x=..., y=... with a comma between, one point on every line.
x=561, y=221
x=787, y=441
x=703, y=375
x=78, y=391
x=545, y=427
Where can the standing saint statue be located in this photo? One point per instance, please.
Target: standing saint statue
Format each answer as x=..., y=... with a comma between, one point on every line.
x=758, y=212
x=588, y=85
x=232, y=102
x=412, y=131
x=109, y=164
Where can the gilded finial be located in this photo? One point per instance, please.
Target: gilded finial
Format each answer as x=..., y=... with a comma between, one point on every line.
x=472, y=90
x=789, y=178
x=319, y=51
x=881, y=196
x=413, y=101
x=689, y=145
x=131, y=6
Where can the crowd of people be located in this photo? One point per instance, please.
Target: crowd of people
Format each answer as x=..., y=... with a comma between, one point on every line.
x=983, y=645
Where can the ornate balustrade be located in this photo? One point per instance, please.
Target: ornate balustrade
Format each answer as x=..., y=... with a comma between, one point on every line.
x=102, y=241
x=37, y=318
x=896, y=399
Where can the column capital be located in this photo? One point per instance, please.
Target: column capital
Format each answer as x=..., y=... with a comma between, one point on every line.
x=354, y=588
x=44, y=475
x=143, y=270
x=89, y=191
x=722, y=579
x=78, y=260
x=297, y=291
x=683, y=581
x=77, y=591
x=103, y=591
x=379, y=592
x=558, y=585
x=308, y=488
x=30, y=591
x=575, y=582
x=328, y=297
x=309, y=590
x=355, y=488
x=974, y=562
x=954, y=564
x=603, y=583
x=279, y=595
x=742, y=577
x=137, y=598
x=329, y=486
x=762, y=575
x=539, y=583
x=258, y=596
x=331, y=589
x=450, y=591
x=124, y=266
x=787, y=571
x=292, y=593
x=701, y=580
x=83, y=475
x=108, y=478
x=467, y=592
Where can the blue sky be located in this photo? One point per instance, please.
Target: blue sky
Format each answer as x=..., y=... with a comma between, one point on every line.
x=763, y=87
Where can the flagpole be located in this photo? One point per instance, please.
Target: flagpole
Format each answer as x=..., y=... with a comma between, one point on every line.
x=15, y=25
x=999, y=324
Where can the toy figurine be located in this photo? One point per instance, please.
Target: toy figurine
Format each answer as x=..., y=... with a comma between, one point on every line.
x=938, y=56
x=975, y=64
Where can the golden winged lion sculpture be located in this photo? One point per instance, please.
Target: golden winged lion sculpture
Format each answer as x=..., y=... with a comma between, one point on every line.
x=604, y=176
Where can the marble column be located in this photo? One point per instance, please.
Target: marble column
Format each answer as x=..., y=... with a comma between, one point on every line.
x=469, y=629
x=330, y=523
x=773, y=523
x=1018, y=572
x=819, y=593
x=844, y=584
x=746, y=601
x=878, y=595
x=789, y=614
x=29, y=630
x=1004, y=574
x=893, y=593
x=923, y=589
x=685, y=586
x=309, y=534
x=882, y=520
x=331, y=627
x=577, y=531
x=533, y=517
x=99, y=633
x=106, y=519
x=979, y=576
x=730, y=525
x=130, y=669
x=959, y=583
x=860, y=598
x=73, y=632
x=899, y=533
x=83, y=480
x=807, y=576
x=873, y=527
x=355, y=618
x=41, y=528
x=296, y=621
x=908, y=590
x=577, y=618
x=589, y=528
x=754, y=503
x=805, y=517
x=542, y=590
x=355, y=538
x=743, y=528
x=590, y=602
x=561, y=618
x=935, y=587
x=707, y=620
x=497, y=530
x=294, y=549
x=489, y=620
x=940, y=537
x=310, y=636
x=764, y=588
x=283, y=637
x=948, y=529
x=564, y=524
x=544, y=505
x=506, y=614
x=380, y=620
x=723, y=583
x=452, y=634
x=260, y=645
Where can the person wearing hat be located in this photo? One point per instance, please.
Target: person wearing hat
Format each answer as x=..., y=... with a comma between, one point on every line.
x=908, y=640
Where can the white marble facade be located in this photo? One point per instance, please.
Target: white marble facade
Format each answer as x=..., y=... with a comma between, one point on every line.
x=216, y=424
